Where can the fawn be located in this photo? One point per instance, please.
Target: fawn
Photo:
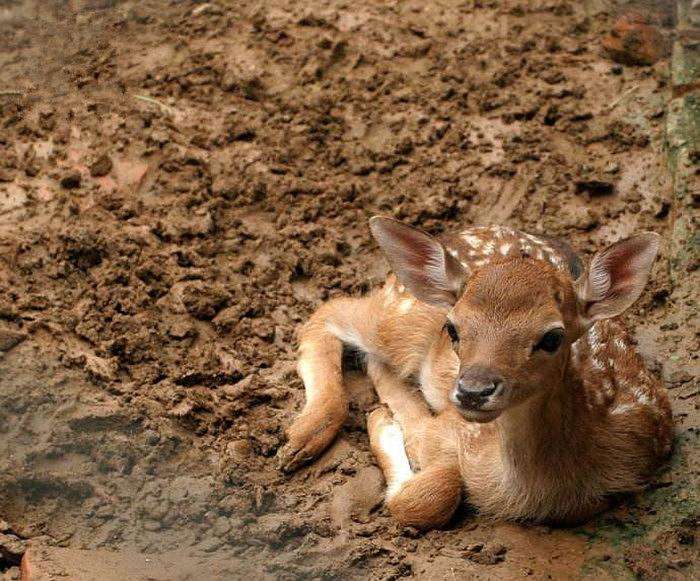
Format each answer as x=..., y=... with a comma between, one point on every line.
x=501, y=374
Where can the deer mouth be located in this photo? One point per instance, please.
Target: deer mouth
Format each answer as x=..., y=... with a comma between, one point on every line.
x=479, y=416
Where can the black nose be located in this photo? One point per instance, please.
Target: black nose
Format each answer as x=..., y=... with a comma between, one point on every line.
x=475, y=385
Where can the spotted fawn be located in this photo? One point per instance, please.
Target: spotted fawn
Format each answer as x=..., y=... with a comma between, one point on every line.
x=503, y=373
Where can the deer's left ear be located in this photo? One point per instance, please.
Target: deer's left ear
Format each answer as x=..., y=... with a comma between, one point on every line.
x=616, y=277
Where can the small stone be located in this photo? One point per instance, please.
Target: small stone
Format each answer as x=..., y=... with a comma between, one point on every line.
x=595, y=187
x=239, y=449
x=71, y=180
x=221, y=526
x=12, y=548
x=152, y=437
x=210, y=545
x=101, y=166
x=10, y=338
x=633, y=42
x=182, y=329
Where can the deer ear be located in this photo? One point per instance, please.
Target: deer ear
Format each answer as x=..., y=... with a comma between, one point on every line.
x=616, y=276
x=421, y=263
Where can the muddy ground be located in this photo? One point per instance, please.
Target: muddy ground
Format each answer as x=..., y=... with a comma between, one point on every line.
x=182, y=183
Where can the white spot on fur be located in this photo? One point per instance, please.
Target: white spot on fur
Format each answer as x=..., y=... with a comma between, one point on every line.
x=620, y=344
x=644, y=399
x=533, y=239
x=621, y=408
x=608, y=386
x=472, y=240
x=595, y=341
x=489, y=248
x=556, y=260
x=504, y=248
x=453, y=252
x=405, y=305
x=392, y=444
x=597, y=364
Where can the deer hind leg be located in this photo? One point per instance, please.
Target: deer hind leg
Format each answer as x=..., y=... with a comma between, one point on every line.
x=426, y=499
x=320, y=368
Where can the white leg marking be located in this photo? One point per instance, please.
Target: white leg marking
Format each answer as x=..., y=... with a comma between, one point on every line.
x=305, y=368
x=392, y=445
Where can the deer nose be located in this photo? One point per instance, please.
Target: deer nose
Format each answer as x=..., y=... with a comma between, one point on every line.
x=475, y=386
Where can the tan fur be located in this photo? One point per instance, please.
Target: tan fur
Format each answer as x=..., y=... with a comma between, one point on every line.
x=572, y=427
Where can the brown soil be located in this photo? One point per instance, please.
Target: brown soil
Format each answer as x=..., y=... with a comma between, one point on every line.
x=182, y=184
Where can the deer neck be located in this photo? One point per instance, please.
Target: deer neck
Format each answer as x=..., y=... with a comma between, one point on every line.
x=547, y=431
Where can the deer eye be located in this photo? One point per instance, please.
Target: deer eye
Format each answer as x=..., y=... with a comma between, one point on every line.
x=550, y=341
x=451, y=331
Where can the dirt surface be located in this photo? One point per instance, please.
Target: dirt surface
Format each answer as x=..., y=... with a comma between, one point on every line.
x=183, y=183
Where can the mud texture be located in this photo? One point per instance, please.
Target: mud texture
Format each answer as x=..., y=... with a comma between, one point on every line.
x=182, y=183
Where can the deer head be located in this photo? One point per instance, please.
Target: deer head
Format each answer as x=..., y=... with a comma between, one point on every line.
x=508, y=326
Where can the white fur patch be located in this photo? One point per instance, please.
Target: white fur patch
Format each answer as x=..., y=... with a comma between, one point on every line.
x=305, y=367
x=405, y=305
x=595, y=341
x=392, y=444
x=432, y=396
x=621, y=408
x=504, y=248
x=347, y=335
x=472, y=240
x=597, y=364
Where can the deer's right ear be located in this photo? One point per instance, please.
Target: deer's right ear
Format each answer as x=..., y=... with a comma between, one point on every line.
x=421, y=263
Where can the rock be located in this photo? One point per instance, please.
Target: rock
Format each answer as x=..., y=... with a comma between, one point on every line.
x=634, y=42
x=100, y=368
x=595, y=187
x=490, y=555
x=71, y=180
x=182, y=329
x=221, y=526
x=182, y=223
x=612, y=168
x=203, y=301
x=12, y=548
x=10, y=338
x=101, y=166
x=239, y=450
x=12, y=574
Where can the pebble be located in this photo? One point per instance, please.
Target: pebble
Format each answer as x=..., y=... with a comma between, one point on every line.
x=633, y=43
x=71, y=180
x=101, y=166
x=10, y=338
